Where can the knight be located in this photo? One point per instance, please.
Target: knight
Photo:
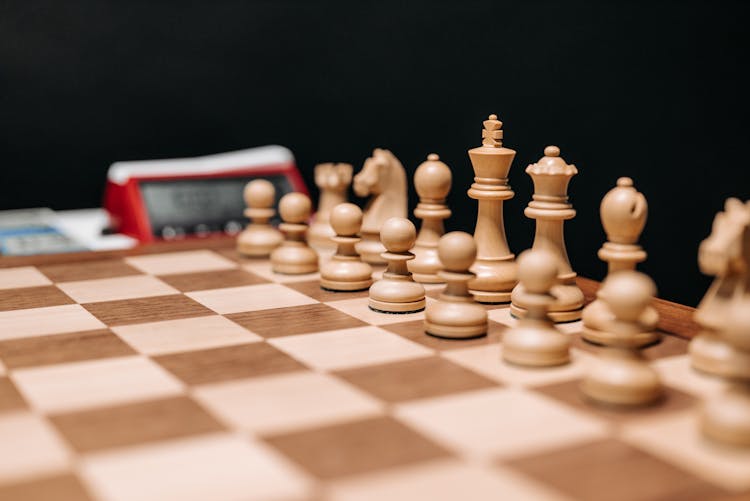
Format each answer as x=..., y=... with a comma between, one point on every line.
x=725, y=254
x=383, y=179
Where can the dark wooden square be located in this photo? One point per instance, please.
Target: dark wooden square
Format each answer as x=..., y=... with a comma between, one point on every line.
x=10, y=398
x=63, y=487
x=356, y=447
x=147, y=309
x=295, y=320
x=88, y=270
x=231, y=362
x=32, y=297
x=130, y=424
x=412, y=379
x=569, y=392
x=61, y=348
x=219, y=279
x=624, y=473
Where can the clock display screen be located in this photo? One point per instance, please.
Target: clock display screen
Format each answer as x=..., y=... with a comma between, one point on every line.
x=200, y=206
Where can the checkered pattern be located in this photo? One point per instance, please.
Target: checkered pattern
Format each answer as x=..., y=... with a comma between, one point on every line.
x=199, y=375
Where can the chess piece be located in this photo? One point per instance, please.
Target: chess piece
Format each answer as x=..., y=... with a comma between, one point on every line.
x=333, y=180
x=397, y=292
x=259, y=238
x=725, y=254
x=383, y=178
x=550, y=209
x=294, y=256
x=455, y=314
x=535, y=341
x=621, y=375
x=495, y=266
x=726, y=418
x=623, y=213
x=346, y=271
x=432, y=181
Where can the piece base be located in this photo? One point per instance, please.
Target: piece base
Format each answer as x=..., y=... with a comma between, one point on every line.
x=488, y=297
x=386, y=307
x=712, y=355
x=726, y=418
x=294, y=269
x=533, y=359
x=602, y=338
x=454, y=331
x=556, y=316
x=338, y=286
x=426, y=278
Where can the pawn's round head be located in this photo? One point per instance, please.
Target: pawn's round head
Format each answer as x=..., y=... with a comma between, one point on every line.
x=537, y=270
x=432, y=179
x=398, y=234
x=628, y=294
x=259, y=194
x=457, y=251
x=346, y=219
x=295, y=208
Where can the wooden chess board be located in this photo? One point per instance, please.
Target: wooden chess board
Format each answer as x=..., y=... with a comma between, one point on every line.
x=189, y=373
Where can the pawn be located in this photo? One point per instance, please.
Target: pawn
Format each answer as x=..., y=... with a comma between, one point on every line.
x=333, y=180
x=259, y=238
x=456, y=314
x=535, y=341
x=621, y=375
x=726, y=418
x=346, y=271
x=397, y=292
x=294, y=256
x=432, y=180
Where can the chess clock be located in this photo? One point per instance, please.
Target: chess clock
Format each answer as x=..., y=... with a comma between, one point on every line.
x=178, y=198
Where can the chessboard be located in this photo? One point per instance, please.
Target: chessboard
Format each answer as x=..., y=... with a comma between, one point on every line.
x=189, y=373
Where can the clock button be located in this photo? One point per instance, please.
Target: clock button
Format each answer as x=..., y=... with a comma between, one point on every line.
x=202, y=230
x=232, y=227
x=168, y=233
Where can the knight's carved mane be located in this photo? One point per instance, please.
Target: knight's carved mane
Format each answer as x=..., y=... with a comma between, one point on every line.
x=383, y=177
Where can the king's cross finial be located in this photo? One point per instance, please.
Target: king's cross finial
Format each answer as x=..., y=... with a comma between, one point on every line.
x=492, y=135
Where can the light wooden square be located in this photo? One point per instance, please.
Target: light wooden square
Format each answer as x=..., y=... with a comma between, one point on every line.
x=218, y=466
x=487, y=360
x=181, y=262
x=174, y=336
x=440, y=480
x=677, y=439
x=263, y=269
x=359, y=308
x=500, y=422
x=25, y=276
x=94, y=383
x=349, y=348
x=30, y=447
x=250, y=298
x=115, y=289
x=284, y=402
x=50, y=320
x=677, y=372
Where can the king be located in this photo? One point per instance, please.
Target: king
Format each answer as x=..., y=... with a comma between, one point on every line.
x=495, y=266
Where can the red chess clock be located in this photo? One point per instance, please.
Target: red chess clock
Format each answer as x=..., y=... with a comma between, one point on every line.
x=176, y=198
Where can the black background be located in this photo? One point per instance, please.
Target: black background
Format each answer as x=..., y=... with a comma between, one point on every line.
x=651, y=90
